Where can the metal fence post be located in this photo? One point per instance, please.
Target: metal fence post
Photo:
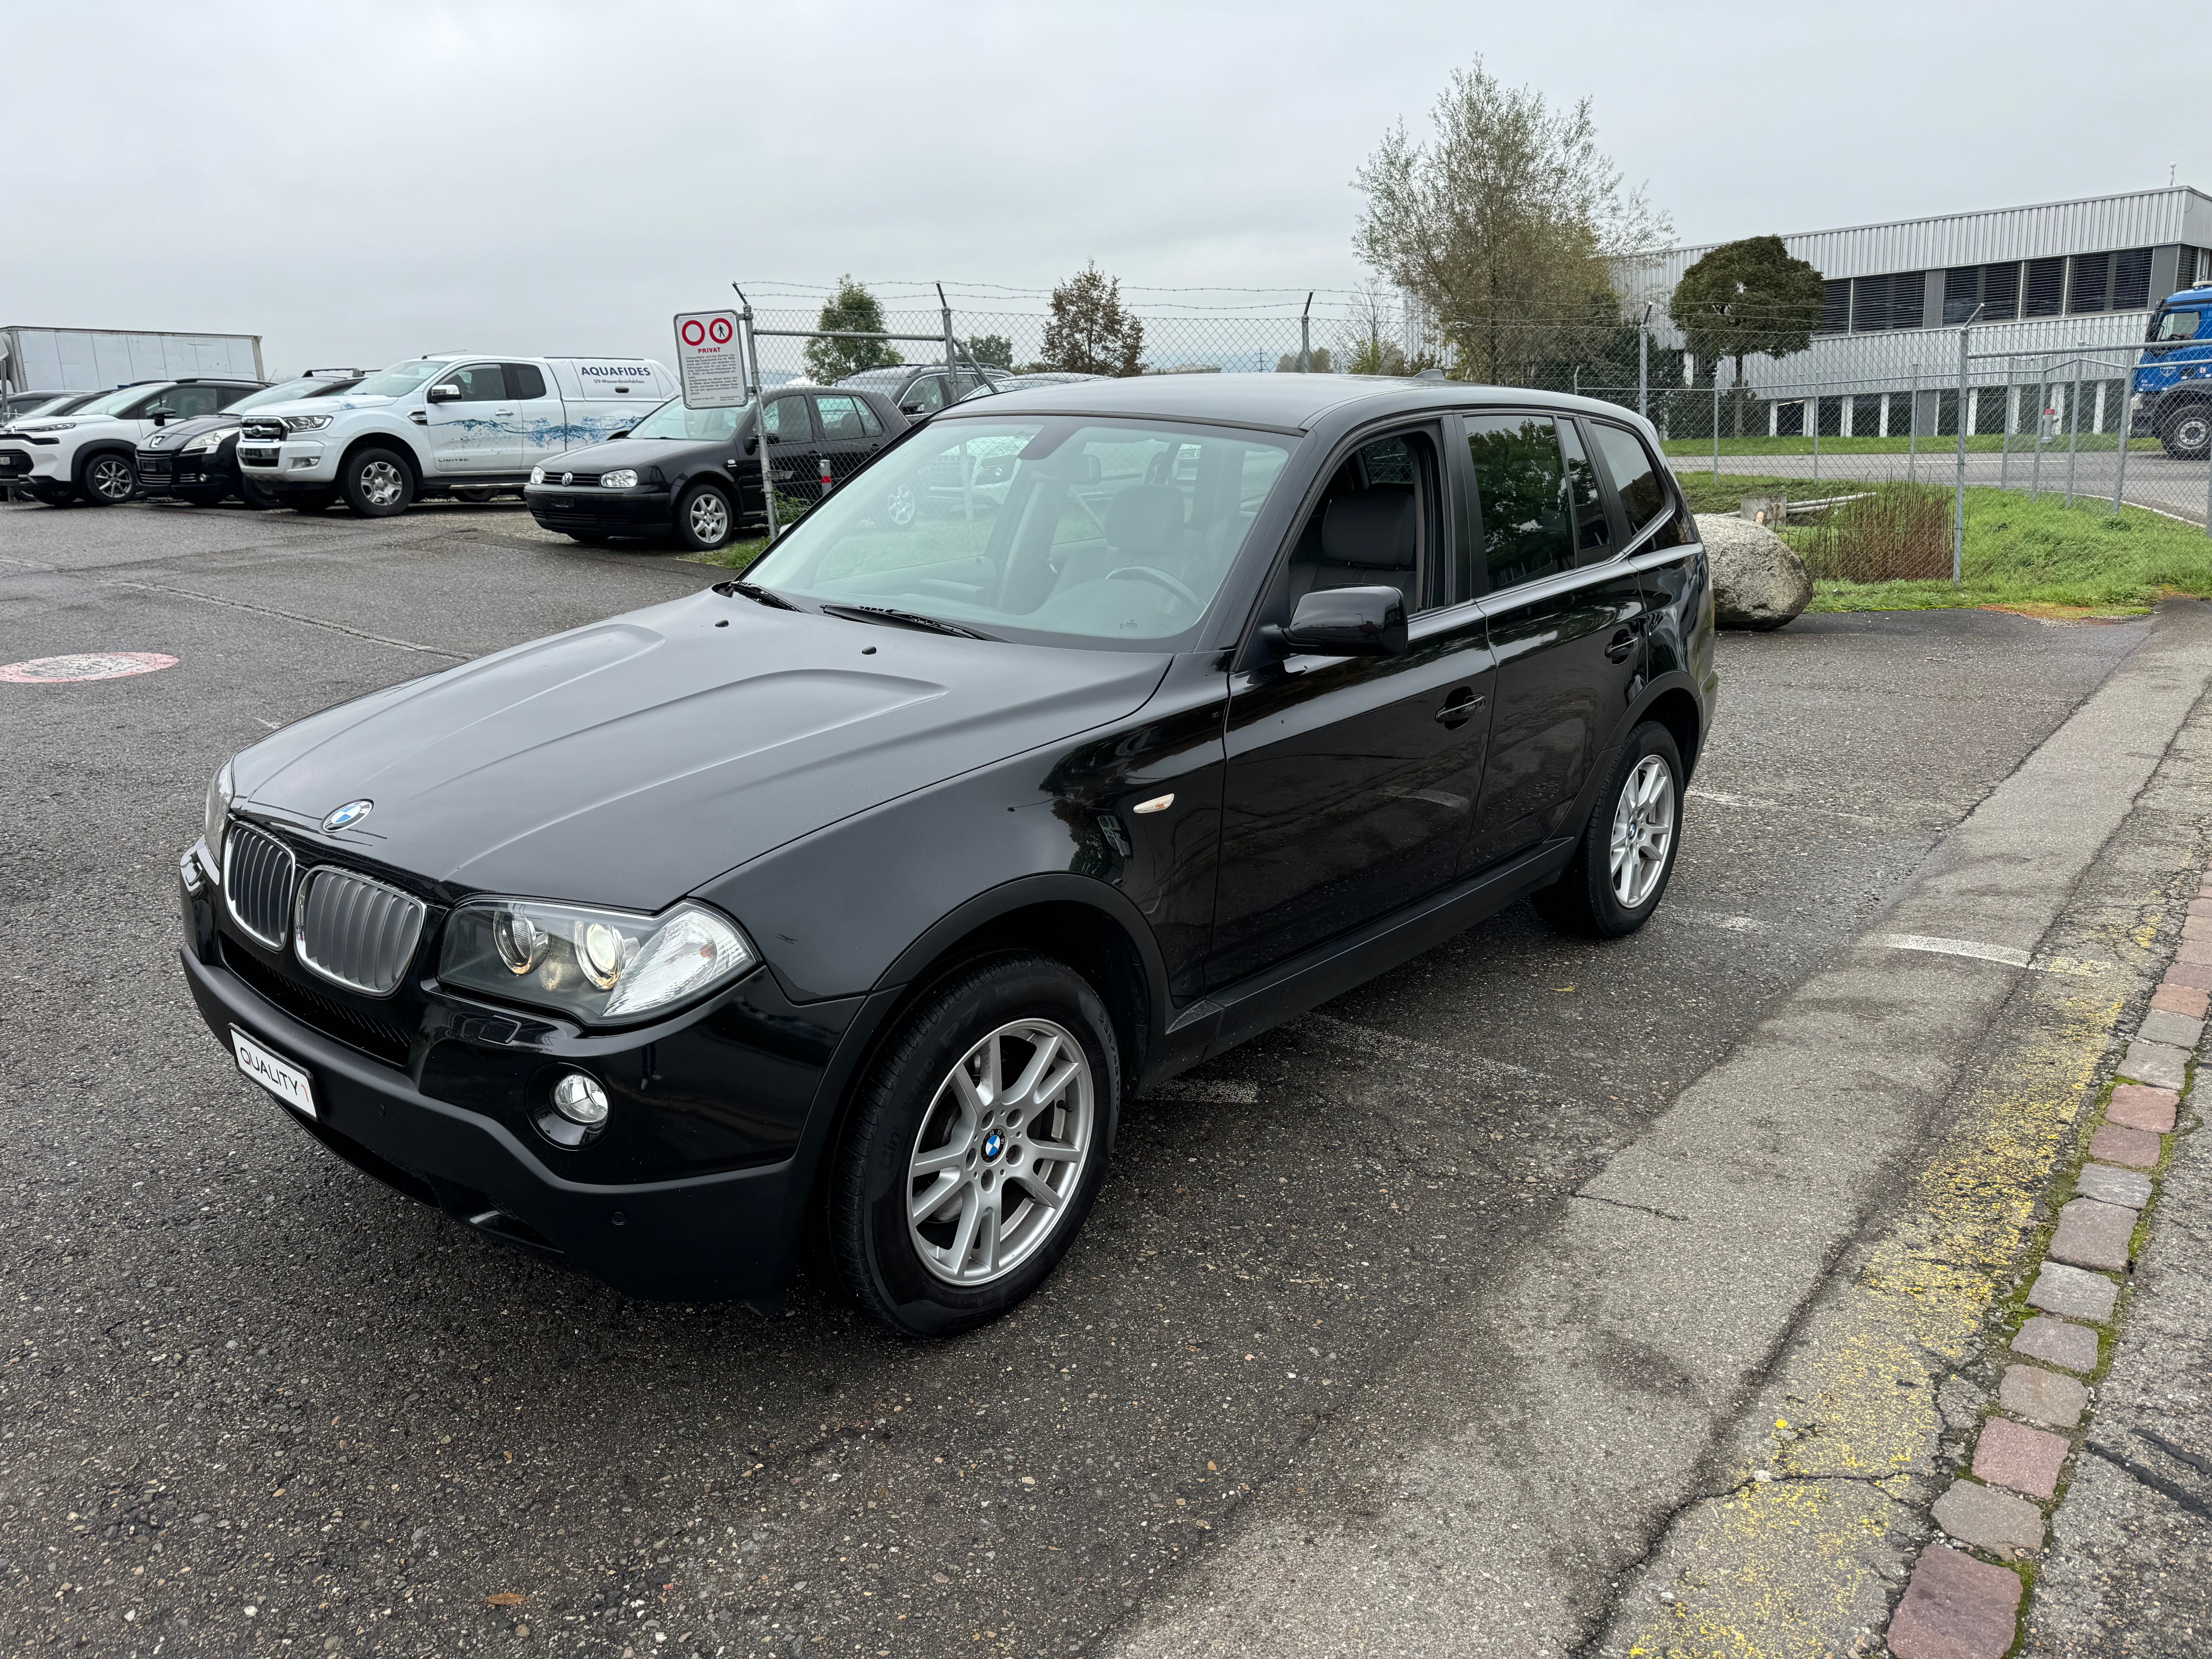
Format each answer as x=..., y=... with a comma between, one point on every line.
x=2125, y=432
x=1959, y=502
x=1912, y=431
x=1812, y=403
x=1717, y=420
x=760, y=410
x=1644, y=364
x=1305, y=337
x=2073, y=421
x=2004, y=464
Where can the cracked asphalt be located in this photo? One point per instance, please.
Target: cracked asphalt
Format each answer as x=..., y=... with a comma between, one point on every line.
x=252, y=1402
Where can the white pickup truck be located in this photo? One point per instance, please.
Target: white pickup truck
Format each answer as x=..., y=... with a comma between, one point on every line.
x=457, y=424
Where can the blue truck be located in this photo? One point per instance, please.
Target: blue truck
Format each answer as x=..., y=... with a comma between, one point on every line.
x=2173, y=400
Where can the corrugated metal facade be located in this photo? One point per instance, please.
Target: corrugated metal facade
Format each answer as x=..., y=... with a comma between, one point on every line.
x=2098, y=224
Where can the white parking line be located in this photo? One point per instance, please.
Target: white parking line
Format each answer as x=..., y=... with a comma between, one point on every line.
x=1976, y=950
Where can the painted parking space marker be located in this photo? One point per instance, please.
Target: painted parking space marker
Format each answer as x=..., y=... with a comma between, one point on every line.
x=84, y=666
x=1976, y=950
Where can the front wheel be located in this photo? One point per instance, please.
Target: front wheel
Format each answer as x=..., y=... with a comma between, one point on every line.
x=2187, y=433
x=311, y=501
x=976, y=1147
x=254, y=495
x=704, y=520
x=376, y=483
x=1626, y=856
x=53, y=494
x=109, y=480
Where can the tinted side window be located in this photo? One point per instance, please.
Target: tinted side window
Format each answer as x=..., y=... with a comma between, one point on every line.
x=1593, y=530
x=480, y=383
x=225, y=396
x=1635, y=475
x=193, y=401
x=786, y=420
x=870, y=426
x=523, y=380
x=928, y=392
x=840, y=419
x=1521, y=490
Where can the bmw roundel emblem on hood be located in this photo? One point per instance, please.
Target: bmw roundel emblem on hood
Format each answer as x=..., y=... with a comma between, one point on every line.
x=349, y=815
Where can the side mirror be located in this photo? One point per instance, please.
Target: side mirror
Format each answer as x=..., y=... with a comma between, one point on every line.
x=913, y=408
x=1344, y=622
x=163, y=416
x=611, y=436
x=446, y=392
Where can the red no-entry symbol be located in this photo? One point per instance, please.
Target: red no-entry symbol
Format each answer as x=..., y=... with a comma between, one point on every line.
x=719, y=329
x=695, y=332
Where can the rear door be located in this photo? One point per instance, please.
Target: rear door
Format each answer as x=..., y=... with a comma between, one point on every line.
x=539, y=421
x=1663, y=541
x=850, y=432
x=1566, y=620
x=792, y=461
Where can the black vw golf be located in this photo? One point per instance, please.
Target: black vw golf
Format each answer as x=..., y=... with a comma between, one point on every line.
x=851, y=901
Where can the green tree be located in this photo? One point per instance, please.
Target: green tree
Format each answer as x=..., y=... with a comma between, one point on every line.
x=1502, y=225
x=995, y=349
x=1367, y=343
x=1746, y=299
x=1089, y=332
x=1288, y=362
x=854, y=308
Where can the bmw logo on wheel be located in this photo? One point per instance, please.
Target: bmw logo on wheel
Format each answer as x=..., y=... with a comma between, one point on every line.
x=993, y=1144
x=349, y=815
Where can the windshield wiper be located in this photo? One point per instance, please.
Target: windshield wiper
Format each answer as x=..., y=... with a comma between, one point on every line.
x=759, y=595
x=906, y=619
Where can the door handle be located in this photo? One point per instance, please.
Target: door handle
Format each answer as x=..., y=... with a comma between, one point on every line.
x=1623, y=646
x=1459, y=707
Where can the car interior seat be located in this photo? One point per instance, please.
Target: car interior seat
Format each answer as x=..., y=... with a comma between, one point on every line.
x=1367, y=539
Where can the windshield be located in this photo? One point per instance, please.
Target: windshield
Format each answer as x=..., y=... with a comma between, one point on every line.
x=61, y=405
x=673, y=420
x=1120, y=531
x=290, y=391
x=400, y=378
x=121, y=398
x=2176, y=325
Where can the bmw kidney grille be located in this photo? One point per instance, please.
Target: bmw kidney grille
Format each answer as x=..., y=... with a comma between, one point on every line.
x=258, y=874
x=355, y=932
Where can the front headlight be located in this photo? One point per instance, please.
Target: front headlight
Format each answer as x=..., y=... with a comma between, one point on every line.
x=305, y=422
x=205, y=442
x=597, y=966
x=216, y=817
x=537, y=475
x=621, y=478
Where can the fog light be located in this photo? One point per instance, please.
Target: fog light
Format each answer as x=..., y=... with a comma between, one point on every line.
x=580, y=1100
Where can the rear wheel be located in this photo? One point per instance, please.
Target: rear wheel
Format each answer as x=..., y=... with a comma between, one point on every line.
x=2187, y=433
x=976, y=1148
x=109, y=480
x=376, y=483
x=311, y=501
x=53, y=494
x=705, y=519
x=255, y=496
x=1626, y=856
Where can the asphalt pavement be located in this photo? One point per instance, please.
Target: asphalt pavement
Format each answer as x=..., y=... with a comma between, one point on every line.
x=251, y=1402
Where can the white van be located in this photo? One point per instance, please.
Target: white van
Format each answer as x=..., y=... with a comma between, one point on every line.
x=458, y=423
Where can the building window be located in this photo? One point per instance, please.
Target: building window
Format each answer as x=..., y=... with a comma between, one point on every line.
x=1908, y=299
x=1962, y=293
x=1835, y=307
x=1869, y=304
x=2047, y=287
x=2131, y=280
x=2091, y=287
x=2000, y=292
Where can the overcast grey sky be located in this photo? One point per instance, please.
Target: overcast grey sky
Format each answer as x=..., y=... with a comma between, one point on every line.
x=358, y=182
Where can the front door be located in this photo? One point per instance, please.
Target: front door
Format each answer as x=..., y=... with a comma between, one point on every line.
x=539, y=420
x=850, y=432
x=1566, y=622
x=1351, y=782
x=475, y=432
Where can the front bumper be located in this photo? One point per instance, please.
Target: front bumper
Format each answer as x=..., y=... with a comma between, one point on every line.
x=723, y=1233
x=163, y=471
x=607, y=512
x=293, y=461
x=20, y=463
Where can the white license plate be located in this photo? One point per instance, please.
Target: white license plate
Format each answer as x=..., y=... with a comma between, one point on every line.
x=280, y=1076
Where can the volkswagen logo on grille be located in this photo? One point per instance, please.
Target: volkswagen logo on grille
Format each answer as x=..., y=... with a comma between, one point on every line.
x=568, y=477
x=349, y=815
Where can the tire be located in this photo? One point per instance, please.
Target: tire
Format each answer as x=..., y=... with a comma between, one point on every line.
x=318, y=500
x=377, y=483
x=705, y=519
x=1641, y=808
x=948, y=1272
x=902, y=505
x=254, y=496
x=2187, y=433
x=53, y=494
x=108, y=479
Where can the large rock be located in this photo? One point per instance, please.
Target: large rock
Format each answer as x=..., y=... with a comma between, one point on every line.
x=1758, y=581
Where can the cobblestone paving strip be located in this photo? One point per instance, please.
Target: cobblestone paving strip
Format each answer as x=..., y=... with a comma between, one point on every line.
x=1957, y=1607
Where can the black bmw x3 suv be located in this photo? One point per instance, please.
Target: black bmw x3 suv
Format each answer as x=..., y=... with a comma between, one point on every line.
x=853, y=900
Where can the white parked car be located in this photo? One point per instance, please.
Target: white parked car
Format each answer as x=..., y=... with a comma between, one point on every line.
x=89, y=454
x=456, y=423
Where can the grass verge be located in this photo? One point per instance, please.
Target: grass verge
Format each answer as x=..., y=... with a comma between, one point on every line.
x=1982, y=443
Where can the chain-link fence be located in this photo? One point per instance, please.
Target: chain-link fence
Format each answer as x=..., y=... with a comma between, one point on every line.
x=1810, y=421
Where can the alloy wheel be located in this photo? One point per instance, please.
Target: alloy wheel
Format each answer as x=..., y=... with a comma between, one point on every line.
x=709, y=518
x=380, y=483
x=1001, y=1152
x=1643, y=831
x=111, y=478
x=901, y=506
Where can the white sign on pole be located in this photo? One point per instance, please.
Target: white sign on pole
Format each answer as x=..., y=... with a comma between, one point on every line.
x=709, y=359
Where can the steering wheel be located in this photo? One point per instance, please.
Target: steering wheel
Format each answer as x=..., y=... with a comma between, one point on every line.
x=1159, y=579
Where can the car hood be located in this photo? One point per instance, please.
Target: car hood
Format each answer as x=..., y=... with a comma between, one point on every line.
x=628, y=763
x=180, y=432
x=68, y=422
x=327, y=405
x=634, y=451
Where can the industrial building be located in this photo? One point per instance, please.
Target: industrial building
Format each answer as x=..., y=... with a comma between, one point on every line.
x=2055, y=290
